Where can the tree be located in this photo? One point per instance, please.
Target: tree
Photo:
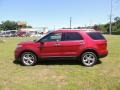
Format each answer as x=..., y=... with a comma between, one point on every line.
x=28, y=26
x=1, y=27
x=9, y=25
x=96, y=27
x=117, y=23
x=12, y=25
x=117, y=19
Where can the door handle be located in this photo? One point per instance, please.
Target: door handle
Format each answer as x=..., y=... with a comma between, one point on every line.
x=56, y=45
x=82, y=43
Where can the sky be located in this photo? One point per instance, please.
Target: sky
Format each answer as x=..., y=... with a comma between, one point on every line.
x=56, y=13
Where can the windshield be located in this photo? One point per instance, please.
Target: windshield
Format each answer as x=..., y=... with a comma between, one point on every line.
x=41, y=36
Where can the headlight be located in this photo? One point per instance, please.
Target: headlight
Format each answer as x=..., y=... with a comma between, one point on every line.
x=19, y=46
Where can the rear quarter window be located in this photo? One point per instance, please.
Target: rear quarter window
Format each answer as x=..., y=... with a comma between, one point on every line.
x=96, y=35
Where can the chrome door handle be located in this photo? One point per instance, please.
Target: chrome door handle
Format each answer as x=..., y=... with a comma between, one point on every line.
x=81, y=43
x=56, y=45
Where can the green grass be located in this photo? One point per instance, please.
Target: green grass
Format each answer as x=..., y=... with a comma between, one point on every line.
x=104, y=76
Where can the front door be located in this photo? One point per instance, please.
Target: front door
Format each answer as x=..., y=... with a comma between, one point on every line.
x=50, y=45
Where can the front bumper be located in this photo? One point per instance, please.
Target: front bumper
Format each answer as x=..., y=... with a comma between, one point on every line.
x=17, y=54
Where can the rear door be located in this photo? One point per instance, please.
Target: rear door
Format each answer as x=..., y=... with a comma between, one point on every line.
x=71, y=44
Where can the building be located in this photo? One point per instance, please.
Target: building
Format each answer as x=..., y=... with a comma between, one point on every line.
x=39, y=29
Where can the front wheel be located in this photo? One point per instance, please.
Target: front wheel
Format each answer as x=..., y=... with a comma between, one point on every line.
x=89, y=59
x=28, y=59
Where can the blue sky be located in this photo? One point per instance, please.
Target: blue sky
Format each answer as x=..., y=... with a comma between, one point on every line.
x=50, y=13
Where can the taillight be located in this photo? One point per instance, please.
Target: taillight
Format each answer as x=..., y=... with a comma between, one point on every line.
x=102, y=44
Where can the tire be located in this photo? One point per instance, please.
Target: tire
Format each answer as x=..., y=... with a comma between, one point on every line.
x=89, y=59
x=28, y=59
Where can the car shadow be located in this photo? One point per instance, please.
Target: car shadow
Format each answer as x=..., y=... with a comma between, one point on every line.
x=56, y=62
x=16, y=62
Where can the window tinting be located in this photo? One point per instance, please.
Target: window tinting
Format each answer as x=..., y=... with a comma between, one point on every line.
x=96, y=35
x=52, y=37
x=71, y=36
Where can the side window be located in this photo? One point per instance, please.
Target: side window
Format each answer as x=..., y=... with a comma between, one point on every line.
x=96, y=35
x=71, y=36
x=52, y=37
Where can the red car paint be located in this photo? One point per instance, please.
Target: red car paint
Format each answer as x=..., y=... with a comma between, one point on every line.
x=70, y=48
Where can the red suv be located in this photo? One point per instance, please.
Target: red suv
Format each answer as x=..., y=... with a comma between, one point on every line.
x=87, y=45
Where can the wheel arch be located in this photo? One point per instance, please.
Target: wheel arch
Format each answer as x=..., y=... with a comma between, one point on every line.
x=90, y=50
x=28, y=51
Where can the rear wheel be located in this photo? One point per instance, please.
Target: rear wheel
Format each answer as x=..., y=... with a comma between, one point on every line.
x=28, y=59
x=89, y=59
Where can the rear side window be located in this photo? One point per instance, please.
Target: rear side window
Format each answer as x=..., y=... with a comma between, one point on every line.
x=71, y=36
x=96, y=35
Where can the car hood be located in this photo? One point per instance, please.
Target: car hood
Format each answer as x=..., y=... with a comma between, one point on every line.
x=26, y=43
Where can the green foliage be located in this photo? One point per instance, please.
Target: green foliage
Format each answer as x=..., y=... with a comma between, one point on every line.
x=11, y=25
x=28, y=26
x=1, y=27
x=105, y=27
x=117, y=23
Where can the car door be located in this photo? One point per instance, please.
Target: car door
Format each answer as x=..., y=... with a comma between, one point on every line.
x=72, y=43
x=50, y=45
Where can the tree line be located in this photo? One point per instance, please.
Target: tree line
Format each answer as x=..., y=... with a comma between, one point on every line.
x=105, y=27
x=11, y=25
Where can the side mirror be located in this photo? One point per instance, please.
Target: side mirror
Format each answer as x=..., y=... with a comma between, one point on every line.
x=42, y=42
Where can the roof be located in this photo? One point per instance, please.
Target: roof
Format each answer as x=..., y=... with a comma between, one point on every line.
x=75, y=30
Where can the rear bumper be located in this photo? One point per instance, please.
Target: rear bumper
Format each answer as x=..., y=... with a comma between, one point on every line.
x=103, y=54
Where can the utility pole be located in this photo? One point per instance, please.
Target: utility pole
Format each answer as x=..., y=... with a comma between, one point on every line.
x=111, y=7
x=70, y=22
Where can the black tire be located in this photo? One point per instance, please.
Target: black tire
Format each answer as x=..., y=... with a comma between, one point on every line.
x=89, y=59
x=28, y=59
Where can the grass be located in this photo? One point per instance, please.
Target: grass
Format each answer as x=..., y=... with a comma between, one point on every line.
x=59, y=75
